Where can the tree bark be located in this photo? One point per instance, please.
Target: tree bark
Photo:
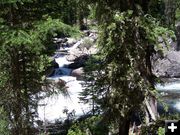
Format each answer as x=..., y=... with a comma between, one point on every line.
x=170, y=12
x=178, y=36
x=124, y=126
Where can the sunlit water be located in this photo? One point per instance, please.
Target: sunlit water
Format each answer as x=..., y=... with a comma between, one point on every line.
x=173, y=86
x=51, y=108
x=55, y=105
x=171, y=94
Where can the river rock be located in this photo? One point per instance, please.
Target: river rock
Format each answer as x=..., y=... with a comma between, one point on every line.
x=71, y=41
x=85, y=47
x=74, y=54
x=79, y=62
x=169, y=66
x=77, y=73
x=93, y=50
x=70, y=57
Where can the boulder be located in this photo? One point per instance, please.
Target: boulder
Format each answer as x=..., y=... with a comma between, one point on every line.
x=78, y=73
x=74, y=54
x=70, y=57
x=79, y=62
x=74, y=65
x=85, y=46
x=71, y=41
x=82, y=58
x=169, y=66
x=93, y=50
x=173, y=56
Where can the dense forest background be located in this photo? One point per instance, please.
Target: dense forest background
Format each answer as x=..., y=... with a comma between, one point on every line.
x=128, y=32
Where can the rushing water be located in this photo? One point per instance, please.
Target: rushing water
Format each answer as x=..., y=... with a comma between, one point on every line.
x=51, y=108
x=170, y=92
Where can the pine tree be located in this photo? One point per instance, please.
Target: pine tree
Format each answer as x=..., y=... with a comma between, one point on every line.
x=123, y=81
x=26, y=34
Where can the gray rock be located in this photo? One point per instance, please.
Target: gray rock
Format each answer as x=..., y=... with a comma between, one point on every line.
x=173, y=56
x=71, y=57
x=169, y=66
x=71, y=41
x=79, y=62
x=78, y=73
x=85, y=46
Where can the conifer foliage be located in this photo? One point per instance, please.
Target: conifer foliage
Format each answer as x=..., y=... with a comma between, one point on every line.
x=123, y=80
x=26, y=33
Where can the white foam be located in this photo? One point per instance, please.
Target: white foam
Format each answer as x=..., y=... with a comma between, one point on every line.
x=175, y=86
x=177, y=105
x=55, y=104
x=62, y=61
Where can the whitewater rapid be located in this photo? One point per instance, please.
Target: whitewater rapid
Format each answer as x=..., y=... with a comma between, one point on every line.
x=170, y=92
x=51, y=108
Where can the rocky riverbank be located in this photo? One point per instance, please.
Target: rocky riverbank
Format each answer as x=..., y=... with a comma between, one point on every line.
x=167, y=65
x=66, y=66
x=76, y=52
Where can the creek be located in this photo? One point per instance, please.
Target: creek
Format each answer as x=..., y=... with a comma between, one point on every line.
x=51, y=108
x=170, y=92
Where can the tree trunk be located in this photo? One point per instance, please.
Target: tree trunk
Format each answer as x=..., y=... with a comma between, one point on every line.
x=124, y=126
x=17, y=105
x=170, y=11
x=178, y=36
x=151, y=102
